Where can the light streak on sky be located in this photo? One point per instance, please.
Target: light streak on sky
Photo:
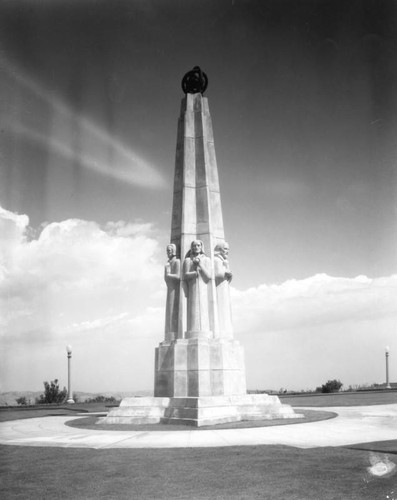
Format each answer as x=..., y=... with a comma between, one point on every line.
x=85, y=142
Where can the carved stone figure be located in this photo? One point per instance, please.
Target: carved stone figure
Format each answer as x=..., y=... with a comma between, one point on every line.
x=196, y=274
x=223, y=276
x=172, y=275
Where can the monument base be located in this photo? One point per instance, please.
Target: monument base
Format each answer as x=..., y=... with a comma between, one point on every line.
x=199, y=411
x=199, y=367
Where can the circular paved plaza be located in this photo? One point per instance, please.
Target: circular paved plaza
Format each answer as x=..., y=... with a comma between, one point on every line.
x=353, y=425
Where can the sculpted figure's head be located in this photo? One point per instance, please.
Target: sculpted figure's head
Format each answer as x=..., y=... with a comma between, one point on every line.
x=171, y=250
x=223, y=249
x=197, y=247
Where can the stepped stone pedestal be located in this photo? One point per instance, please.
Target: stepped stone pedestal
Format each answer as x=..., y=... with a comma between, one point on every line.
x=199, y=411
x=199, y=367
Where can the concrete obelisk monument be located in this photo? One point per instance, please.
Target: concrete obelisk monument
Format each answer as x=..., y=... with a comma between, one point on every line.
x=199, y=367
x=198, y=356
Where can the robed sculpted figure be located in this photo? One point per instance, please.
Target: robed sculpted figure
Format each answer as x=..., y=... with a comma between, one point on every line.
x=196, y=275
x=172, y=275
x=223, y=276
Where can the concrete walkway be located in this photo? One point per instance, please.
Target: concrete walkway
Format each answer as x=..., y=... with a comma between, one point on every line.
x=360, y=424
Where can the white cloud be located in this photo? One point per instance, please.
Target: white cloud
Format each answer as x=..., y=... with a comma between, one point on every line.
x=301, y=333
x=101, y=289
x=13, y=225
x=317, y=300
x=97, y=324
x=12, y=230
x=75, y=272
x=121, y=228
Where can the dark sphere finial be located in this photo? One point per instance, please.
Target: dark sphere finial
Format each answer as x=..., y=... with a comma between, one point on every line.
x=195, y=81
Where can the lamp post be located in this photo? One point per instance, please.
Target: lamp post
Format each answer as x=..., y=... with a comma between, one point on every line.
x=388, y=386
x=70, y=397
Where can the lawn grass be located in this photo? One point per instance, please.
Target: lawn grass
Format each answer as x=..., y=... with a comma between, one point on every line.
x=341, y=399
x=298, y=400
x=246, y=472
x=254, y=472
x=16, y=413
x=378, y=447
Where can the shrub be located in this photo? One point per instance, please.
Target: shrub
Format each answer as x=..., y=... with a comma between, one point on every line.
x=52, y=393
x=331, y=386
x=22, y=401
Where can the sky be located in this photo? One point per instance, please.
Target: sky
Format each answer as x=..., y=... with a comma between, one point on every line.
x=303, y=99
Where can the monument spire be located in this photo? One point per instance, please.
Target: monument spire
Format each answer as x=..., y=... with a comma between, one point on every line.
x=196, y=211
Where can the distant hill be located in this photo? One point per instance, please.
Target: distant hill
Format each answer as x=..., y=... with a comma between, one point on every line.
x=9, y=398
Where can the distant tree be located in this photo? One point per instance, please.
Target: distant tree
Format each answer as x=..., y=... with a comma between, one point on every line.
x=331, y=386
x=22, y=401
x=52, y=393
x=102, y=399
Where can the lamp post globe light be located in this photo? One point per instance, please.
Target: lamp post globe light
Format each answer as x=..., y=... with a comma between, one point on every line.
x=388, y=386
x=69, y=352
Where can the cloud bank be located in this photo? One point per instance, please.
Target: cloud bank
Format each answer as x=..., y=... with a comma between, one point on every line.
x=74, y=272
x=100, y=288
x=318, y=300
